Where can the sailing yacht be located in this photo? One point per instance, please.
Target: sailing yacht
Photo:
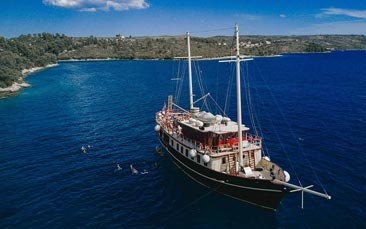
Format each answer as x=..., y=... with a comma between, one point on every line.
x=222, y=154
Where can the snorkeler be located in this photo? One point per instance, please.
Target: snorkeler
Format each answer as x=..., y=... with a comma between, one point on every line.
x=133, y=170
x=145, y=171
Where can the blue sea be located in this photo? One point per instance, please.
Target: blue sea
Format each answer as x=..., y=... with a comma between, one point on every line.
x=311, y=109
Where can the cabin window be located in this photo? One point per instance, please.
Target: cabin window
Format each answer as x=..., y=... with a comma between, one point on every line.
x=205, y=164
x=171, y=142
x=223, y=160
x=177, y=146
x=199, y=158
x=186, y=152
x=181, y=149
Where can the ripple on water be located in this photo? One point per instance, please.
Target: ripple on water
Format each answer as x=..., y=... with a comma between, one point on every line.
x=48, y=182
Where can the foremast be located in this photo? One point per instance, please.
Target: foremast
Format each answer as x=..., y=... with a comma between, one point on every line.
x=238, y=97
x=190, y=72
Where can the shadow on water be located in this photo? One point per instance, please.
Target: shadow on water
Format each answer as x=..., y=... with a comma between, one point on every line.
x=221, y=211
x=188, y=204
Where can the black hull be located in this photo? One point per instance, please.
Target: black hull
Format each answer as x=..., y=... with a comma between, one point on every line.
x=263, y=193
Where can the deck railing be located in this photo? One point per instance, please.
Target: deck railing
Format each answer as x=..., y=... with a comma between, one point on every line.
x=166, y=119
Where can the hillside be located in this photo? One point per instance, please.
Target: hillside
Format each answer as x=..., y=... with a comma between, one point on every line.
x=39, y=50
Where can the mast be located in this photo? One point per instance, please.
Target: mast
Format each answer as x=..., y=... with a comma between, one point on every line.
x=238, y=97
x=190, y=72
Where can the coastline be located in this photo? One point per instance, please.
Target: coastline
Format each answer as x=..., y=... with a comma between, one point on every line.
x=17, y=86
x=105, y=59
x=85, y=60
x=157, y=59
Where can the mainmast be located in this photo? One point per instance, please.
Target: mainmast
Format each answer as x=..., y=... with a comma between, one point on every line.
x=238, y=97
x=237, y=61
x=190, y=72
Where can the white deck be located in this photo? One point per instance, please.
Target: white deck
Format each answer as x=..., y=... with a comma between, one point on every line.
x=230, y=127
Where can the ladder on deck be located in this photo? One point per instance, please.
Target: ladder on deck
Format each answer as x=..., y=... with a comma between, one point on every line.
x=231, y=161
x=251, y=159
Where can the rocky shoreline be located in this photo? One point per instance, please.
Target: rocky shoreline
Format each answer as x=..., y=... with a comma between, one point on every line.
x=17, y=86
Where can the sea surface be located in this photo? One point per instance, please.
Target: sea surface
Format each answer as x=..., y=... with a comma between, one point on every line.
x=310, y=108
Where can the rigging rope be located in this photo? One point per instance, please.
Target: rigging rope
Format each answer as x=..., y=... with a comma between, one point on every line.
x=201, y=85
x=180, y=81
x=177, y=93
x=294, y=137
x=274, y=129
x=211, y=30
x=252, y=111
x=229, y=87
x=249, y=101
x=265, y=151
x=218, y=106
x=231, y=77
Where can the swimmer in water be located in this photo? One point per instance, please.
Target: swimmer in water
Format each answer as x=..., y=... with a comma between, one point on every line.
x=118, y=167
x=89, y=146
x=155, y=165
x=133, y=170
x=83, y=149
x=158, y=149
x=145, y=171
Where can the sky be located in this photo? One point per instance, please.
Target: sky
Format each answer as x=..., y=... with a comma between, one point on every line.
x=107, y=18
